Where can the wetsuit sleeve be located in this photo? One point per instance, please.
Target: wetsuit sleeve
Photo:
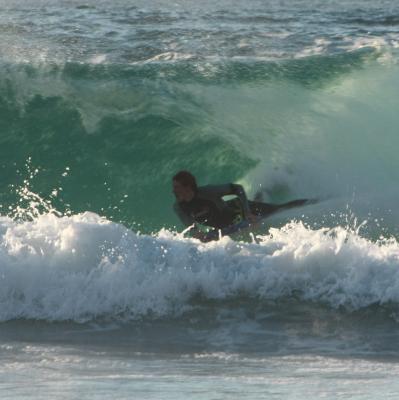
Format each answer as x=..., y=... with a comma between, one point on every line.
x=186, y=219
x=239, y=191
x=231, y=188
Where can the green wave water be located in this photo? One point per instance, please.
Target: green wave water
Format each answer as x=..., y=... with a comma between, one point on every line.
x=108, y=138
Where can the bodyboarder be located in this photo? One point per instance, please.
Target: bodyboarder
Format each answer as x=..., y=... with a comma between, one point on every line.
x=205, y=205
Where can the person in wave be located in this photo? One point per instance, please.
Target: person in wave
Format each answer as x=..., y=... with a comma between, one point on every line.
x=205, y=204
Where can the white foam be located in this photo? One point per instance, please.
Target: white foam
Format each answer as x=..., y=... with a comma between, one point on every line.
x=169, y=56
x=319, y=46
x=335, y=141
x=83, y=267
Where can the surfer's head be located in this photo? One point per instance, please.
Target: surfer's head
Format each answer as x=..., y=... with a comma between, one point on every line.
x=184, y=186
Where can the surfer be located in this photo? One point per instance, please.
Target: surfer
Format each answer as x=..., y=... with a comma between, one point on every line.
x=205, y=205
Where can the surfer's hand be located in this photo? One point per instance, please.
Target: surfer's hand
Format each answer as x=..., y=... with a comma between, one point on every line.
x=252, y=218
x=199, y=235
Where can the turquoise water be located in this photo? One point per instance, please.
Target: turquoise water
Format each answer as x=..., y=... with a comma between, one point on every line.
x=101, y=104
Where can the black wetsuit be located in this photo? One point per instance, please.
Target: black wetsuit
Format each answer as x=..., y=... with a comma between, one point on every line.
x=208, y=207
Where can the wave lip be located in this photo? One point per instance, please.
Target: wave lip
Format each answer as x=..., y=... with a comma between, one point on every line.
x=84, y=267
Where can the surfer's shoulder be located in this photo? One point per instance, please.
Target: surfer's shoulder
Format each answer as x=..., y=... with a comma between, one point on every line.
x=213, y=190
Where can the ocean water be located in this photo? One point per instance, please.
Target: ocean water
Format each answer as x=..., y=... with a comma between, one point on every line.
x=101, y=103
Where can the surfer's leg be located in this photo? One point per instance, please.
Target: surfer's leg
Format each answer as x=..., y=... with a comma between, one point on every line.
x=265, y=209
x=294, y=203
x=262, y=209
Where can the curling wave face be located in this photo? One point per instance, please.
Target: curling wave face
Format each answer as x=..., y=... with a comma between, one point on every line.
x=320, y=127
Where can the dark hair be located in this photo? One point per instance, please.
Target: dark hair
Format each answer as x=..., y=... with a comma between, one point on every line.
x=186, y=179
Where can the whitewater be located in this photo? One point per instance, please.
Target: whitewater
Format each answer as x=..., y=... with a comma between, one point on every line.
x=101, y=294
x=84, y=268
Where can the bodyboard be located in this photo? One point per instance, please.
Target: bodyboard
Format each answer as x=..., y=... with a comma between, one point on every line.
x=245, y=225
x=215, y=234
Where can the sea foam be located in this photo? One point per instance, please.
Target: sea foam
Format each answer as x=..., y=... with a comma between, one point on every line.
x=85, y=267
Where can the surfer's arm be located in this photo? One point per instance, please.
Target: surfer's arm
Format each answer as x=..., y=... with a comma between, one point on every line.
x=220, y=191
x=187, y=221
x=239, y=191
